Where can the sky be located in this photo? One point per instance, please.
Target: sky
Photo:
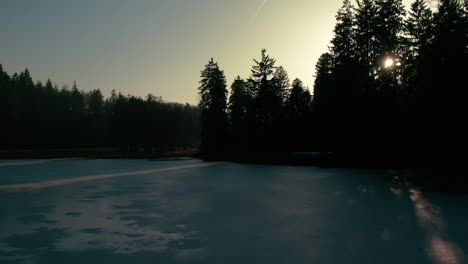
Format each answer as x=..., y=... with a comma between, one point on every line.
x=159, y=47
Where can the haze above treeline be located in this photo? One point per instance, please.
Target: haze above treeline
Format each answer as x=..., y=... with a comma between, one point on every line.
x=159, y=46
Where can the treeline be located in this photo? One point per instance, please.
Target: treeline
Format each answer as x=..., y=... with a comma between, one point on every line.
x=392, y=84
x=38, y=116
x=262, y=114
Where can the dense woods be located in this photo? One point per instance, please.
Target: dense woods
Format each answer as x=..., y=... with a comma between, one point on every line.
x=391, y=84
x=36, y=115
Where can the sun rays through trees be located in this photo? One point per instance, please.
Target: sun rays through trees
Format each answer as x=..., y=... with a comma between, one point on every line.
x=390, y=85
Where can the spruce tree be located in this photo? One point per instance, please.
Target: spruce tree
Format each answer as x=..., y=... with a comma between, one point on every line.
x=389, y=28
x=418, y=33
x=238, y=106
x=365, y=33
x=323, y=85
x=345, y=64
x=418, y=27
x=280, y=84
x=213, y=105
x=343, y=45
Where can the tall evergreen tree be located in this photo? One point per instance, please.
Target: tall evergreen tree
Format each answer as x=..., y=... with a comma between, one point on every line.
x=323, y=101
x=280, y=84
x=343, y=45
x=447, y=52
x=418, y=28
x=298, y=104
x=238, y=106
x=418, y=31
x=94, y=102
x=440, y=88
x=298, y=112
x=365, y=33
x=4, y=86
x=77, y=103
x=389, y=28
x=5, y=105
x=345, y=64
x=260, y=81
x=213, y=105
x=366, y=41
x=262, y=73
x=389, y=49
x=323, y=85
x=267, y=85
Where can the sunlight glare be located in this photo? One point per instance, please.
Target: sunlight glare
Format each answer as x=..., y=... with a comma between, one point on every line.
x=389, y=63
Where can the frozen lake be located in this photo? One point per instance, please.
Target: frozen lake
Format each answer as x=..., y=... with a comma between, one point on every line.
x=189, y=211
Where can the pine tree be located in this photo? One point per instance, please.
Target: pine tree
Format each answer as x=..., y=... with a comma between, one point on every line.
x=324, y=100
x=94, y=102
x=418, y=33
x=4, y=94
x=389, y=26
x=343, y=45
x=265, y=110
x=238, y=106
x=365, y=33
x=448, y=51
x=263, y=70
x=280, y=83
x=389, y=50
x=323, y=85
x=298, y=111
x=299, y=101
x=418, y=28
x=77, y=103
x=441, y=79
x=365, y=39
x=4, y=86
x=213, y=105
x=345, y=64
x=263, y=90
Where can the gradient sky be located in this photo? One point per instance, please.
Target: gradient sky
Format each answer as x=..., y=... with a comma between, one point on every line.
x=160, y=46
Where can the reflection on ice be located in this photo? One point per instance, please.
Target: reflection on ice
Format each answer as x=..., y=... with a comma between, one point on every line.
x=229, y=213
x=441, y=251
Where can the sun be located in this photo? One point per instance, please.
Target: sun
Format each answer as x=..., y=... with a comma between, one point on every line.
x=389, y=63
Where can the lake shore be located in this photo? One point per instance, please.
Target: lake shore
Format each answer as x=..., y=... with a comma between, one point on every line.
x=92, y=153
x=424, y=175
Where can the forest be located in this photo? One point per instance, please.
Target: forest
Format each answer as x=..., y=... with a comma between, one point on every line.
x=44, y=116
x=390, y=85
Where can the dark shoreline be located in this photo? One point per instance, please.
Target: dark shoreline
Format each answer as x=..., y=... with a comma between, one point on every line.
x=92, y=153
x=425, y=175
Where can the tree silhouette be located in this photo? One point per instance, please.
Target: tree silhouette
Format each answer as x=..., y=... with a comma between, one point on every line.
x=366, y=41
x=239, y=102
x=343, y=45
x=42, y=116
x=418, y=29
x=323, y=86
x=213, y=105
x=298, y=111
x=345, y=67
x=267, y=83
x=280, y=83
x=388, y=89
x=441, y=77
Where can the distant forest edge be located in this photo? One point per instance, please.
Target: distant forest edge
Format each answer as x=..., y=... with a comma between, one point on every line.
x=390, y=88
x=391, y=85
x=44, y=116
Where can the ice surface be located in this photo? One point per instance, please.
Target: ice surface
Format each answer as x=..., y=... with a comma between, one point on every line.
x=225, y=213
